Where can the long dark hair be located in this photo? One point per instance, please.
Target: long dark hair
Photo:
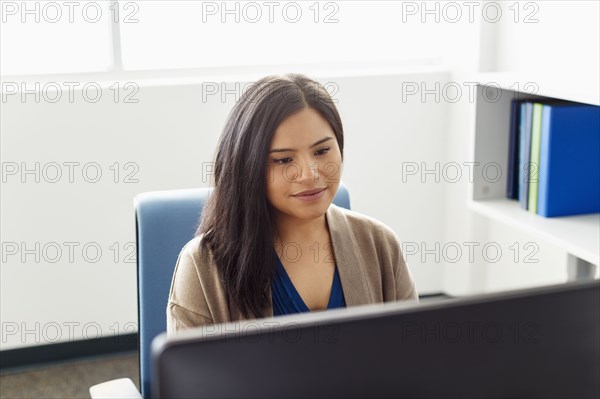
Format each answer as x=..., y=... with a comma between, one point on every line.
x=237, y=220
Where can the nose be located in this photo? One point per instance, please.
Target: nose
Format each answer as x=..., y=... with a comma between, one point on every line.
x=305, y=171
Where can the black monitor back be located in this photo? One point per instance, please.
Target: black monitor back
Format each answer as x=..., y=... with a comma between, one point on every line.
x=542, y=342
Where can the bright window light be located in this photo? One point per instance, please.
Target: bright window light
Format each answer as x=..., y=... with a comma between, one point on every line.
x=41, y=37
x=193, y=34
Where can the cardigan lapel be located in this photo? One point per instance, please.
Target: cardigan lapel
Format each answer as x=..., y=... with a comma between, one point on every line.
x=349, y=261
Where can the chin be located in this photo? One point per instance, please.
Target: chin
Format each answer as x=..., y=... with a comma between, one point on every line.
x=308, y=211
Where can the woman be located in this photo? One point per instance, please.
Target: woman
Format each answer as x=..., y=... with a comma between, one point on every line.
x=270, y=241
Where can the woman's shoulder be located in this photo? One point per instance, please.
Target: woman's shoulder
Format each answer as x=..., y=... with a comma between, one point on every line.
x=361, y=223
x=195, y=251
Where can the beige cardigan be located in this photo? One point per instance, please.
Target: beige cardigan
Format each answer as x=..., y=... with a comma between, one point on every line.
x=367, y=253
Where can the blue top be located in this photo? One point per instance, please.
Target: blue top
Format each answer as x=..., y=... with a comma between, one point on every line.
x=286, y=300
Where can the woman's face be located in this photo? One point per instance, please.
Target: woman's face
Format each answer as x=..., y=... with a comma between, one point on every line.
x=304, y=155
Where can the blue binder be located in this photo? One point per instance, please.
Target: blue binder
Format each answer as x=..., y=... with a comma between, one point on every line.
x=569, y=175
x=526, y=115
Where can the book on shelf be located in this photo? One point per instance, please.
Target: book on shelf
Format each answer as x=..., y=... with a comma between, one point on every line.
x=569, y=175
x=512, y=182
x=556, y=148
x=524, y=151
x=534, y=161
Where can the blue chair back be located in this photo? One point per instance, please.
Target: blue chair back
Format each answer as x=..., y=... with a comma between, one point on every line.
x=165, y=222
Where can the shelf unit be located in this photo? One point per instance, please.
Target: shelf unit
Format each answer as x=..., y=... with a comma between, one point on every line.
x=578, y=235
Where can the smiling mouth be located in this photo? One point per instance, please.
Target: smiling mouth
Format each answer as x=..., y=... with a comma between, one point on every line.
x=309, y=194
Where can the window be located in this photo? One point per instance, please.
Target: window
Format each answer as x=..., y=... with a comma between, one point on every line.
x=208, y=34
x=49, y=37
x=54, y=37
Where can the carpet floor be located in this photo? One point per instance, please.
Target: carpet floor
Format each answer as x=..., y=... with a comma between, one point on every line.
x=68, y=380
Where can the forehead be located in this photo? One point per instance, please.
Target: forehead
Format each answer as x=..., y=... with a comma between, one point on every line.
x=303, y=126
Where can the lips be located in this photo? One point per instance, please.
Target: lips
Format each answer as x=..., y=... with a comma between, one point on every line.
x=309, y=192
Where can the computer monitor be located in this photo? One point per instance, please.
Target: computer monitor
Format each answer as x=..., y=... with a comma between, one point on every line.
x=541, y=342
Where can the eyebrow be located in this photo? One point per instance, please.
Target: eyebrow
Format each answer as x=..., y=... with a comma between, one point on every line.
x=293, y=150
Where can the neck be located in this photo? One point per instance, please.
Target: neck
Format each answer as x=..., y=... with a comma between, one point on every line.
x=300, y=231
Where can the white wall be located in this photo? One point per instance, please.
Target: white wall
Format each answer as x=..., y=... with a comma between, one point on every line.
x=564, y=40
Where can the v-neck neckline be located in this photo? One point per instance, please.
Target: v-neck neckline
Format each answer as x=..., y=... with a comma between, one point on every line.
x=350, y=264
x=296, y=294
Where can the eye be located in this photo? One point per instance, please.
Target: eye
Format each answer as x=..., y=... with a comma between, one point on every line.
x=280, y=161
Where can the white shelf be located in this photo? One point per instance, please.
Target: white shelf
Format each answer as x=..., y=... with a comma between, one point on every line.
x=579, y=235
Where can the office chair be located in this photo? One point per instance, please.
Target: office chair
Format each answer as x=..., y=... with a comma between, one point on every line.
x=165, y=222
